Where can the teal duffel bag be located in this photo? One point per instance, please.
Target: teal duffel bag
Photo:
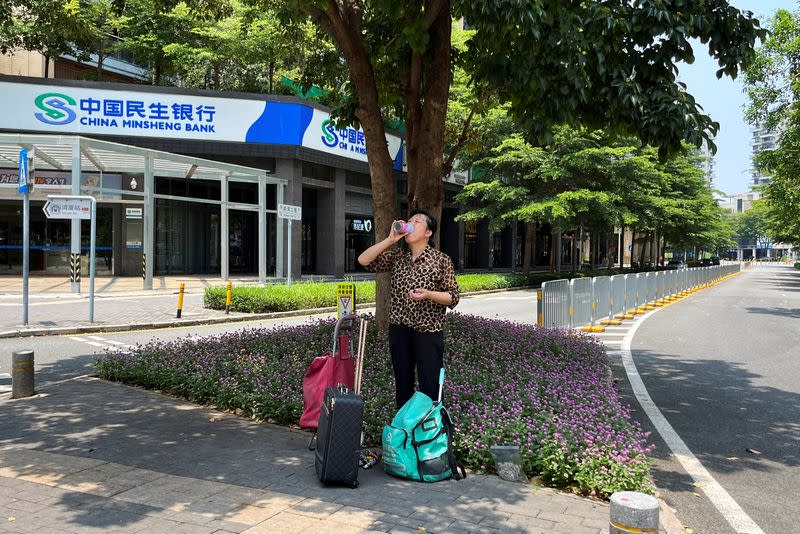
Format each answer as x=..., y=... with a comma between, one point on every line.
x=418, y=443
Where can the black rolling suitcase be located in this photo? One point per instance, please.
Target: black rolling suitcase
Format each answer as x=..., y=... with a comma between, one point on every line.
x=339, y=430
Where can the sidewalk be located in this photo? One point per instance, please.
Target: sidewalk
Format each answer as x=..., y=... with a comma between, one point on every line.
x=118, y=313
x=87, y=455
x=115, y=285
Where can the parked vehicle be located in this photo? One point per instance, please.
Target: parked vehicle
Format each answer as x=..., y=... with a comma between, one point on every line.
x=705, y=262
x=675, y=265
x=714, y=260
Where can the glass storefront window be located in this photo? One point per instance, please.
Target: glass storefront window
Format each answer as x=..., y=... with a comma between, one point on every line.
x=50, y=241
x=359, y=236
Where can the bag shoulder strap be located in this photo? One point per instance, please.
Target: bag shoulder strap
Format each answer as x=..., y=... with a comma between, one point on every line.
x=459, y=473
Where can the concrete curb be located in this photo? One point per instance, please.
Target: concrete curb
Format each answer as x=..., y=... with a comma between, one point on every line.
x=668, y=520
x=94, y=329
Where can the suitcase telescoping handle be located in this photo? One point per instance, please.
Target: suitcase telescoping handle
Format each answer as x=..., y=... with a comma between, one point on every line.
x=441, y=383
x=362, y=344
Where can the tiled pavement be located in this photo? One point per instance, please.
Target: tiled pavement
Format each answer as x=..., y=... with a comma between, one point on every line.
x=91, y=456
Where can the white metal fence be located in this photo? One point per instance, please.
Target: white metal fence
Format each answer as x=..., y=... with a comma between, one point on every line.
x=583, y=302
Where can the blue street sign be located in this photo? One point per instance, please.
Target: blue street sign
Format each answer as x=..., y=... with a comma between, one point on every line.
x=22, y=178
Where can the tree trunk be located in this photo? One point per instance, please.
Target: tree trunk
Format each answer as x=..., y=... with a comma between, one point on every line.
x=344, y=24
x=609, y=244
x=46, y=66
x=427, y=94
x=654, y=247
x=271, y=76
x=528, y=256
x=553, y=249
x=100, y=59
x=642, y=252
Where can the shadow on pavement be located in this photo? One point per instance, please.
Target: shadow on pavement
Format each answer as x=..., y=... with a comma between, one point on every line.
x=792, y=313
x=86, y=422
x=723, y=413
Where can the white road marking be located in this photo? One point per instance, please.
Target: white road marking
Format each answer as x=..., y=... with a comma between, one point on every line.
x=721, y=499
x=108, y=344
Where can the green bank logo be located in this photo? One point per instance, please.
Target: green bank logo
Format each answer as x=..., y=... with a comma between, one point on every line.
x=56, y=108
x=329, y=137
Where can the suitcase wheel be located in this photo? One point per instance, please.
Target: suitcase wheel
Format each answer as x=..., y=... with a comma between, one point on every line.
x=354, y=485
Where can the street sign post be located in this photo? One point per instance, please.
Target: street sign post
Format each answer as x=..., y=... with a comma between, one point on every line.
x=77, y=207
x=24, y=175
x=290, y=213
x=345, y=299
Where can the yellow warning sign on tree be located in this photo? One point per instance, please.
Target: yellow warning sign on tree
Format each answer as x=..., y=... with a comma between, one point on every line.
x=345, y=299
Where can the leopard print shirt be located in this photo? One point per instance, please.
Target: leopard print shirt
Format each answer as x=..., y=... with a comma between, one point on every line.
x=432, y=270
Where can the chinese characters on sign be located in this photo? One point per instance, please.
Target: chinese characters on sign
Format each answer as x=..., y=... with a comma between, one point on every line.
x=68, y=208
x=344, y=138
x=138, y=114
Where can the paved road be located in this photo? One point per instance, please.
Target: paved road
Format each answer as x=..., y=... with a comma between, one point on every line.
x=723, y=366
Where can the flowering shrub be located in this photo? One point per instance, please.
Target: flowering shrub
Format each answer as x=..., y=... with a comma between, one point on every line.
x=548, y=392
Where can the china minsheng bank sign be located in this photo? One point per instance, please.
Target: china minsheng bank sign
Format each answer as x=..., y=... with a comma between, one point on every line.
x=59, y=110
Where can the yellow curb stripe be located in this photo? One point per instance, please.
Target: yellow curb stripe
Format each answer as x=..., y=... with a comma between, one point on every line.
x=632, y=529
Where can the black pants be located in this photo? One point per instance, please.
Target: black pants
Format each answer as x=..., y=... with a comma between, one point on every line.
x=412, y=350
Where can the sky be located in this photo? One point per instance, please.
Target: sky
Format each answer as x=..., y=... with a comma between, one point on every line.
x=724, y=101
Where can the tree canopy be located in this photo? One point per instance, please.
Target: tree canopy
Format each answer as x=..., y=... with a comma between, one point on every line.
x=773, y=87
x=598, y=181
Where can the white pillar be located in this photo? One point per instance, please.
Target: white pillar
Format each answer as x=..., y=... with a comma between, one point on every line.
x=280, y=261
x=262, y=230
x=149, y=222
x=225, y=232
x=75, y=224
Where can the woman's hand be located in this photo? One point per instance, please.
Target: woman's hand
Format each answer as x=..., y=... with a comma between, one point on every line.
x=394, y=237
x=418, y=294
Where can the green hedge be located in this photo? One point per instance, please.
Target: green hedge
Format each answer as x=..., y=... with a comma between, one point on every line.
x=311, y=295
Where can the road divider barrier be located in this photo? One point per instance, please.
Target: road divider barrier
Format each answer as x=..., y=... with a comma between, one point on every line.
x=591, y=304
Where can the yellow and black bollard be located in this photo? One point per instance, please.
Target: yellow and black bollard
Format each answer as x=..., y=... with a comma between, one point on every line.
x=180, y=300
x=539, y=308
x=228, y=298
x=75, y=268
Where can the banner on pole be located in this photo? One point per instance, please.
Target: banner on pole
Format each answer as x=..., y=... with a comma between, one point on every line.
x=22, y=174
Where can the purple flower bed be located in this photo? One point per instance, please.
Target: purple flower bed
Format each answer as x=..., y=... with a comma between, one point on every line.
x=546, y=391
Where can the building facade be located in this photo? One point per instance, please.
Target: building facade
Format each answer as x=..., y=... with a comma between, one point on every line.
x=763, y=139
x=294, y=140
